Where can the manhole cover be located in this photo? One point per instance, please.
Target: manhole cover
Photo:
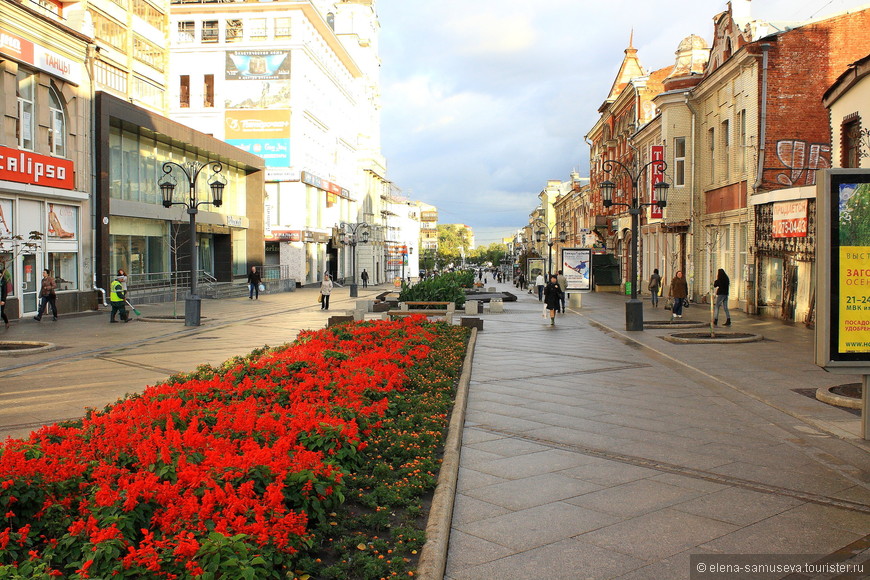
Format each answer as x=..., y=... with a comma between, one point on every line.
x=16, y=347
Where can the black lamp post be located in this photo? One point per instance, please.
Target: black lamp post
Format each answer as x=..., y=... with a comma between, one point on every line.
x=167, y=183
x=353, y=234
x=634, y=307
x=549, y=232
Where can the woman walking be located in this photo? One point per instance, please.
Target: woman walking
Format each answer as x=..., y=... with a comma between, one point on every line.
x=553, y=298
x=723, y=286
x=679, y=292
x=4, y=293
x=325, y=291
x=655, y=285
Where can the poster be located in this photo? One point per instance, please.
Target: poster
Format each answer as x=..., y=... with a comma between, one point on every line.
x=62, y=221
x=5, y=218
x=577, y=267
x=853, y=274
x=535, y=266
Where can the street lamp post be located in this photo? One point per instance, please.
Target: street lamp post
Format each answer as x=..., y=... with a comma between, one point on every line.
x=167, y=183
x=634, y=307
x=543, y=230
x=353, y=234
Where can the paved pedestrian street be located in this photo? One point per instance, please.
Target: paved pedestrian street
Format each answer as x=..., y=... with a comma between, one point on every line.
x=588, y=451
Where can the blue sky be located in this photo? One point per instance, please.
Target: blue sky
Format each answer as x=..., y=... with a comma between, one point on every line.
x=485, y=100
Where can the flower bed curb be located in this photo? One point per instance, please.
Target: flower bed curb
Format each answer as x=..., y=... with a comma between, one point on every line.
x=433, y=556
x=26, y=347
x=825, y=395
x=722, y=338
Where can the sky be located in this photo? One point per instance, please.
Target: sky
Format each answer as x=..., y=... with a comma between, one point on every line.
x=485, y=100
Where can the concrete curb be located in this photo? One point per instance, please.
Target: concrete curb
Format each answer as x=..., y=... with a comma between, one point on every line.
x=722, y=340
x=36, y=347
x=825, y=395
x=433, y=556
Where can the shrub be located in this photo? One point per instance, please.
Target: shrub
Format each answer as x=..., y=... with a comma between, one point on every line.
x=446, y=287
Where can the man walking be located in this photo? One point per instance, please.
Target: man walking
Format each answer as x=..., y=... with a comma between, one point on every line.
x=563, y=286
x=117, y=297
x=365, y=278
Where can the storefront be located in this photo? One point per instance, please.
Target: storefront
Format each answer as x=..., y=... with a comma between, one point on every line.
x=151, y=242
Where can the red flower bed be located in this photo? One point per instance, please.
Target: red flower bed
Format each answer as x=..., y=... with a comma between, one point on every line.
x=239, y=460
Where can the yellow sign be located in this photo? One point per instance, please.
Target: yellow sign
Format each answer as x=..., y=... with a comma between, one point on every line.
x=854, y=299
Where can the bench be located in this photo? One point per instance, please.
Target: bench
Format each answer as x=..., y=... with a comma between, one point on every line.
x=420, y=305
x=428, y=313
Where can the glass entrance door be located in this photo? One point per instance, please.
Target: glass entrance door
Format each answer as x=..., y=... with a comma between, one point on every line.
x=206, y=254
x=31, y=281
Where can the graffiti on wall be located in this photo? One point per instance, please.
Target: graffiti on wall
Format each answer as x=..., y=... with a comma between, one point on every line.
x=801, y=159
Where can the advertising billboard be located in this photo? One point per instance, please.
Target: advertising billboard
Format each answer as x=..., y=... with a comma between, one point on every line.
x=577, y=268
x=535, y=266
x=263, y=132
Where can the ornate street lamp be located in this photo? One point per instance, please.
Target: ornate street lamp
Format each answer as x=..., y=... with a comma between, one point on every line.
x=217, y=183
x=353, y=234
x=634, y=307
x=549, y=233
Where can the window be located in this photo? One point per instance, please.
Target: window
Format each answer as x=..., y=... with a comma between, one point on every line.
x=679, y=161
x=148, y=93
x=26, y=93
x=209, y=31
x=65, y=267
x=711, y=144
x=208, y=91
x=184, y=92
x=186, y=31
x=109, y=31
x=234, y=30
x=57, y=129
x=258, y=28
x=726, y=149
x=110, y=77
x=147, y=12
x=282, y=28
x=148, y=53
x=741, y=140
x=850, y=139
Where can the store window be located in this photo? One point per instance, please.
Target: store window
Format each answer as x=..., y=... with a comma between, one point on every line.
x=65, y=268
x=57, y=130
x=772, y=282
x=140, y=247
x=26, y=93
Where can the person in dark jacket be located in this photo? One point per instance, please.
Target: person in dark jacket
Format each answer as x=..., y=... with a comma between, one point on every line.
x=254, y=280
x=47, y=296
x=553, y=298
x=4, y=293
x=679, y=292
x=723, y=286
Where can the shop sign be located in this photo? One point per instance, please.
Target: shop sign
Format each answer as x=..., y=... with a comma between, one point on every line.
x=39, y=56
x=327, y=186
x=234, y=221
x=34, y=169
x=286, y=235
x=657, y=175
x=790, y=219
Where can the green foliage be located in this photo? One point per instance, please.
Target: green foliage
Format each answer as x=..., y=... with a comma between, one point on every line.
x=453, y=243
x=855, y=218
x=447, y=287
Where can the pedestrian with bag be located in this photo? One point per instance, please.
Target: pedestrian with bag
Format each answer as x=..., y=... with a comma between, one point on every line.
x=254, y=281
x=47, y=296
x=723, y=287
x=655, y=285
x=539, y=283
x=563, y=286
x=325, y=291
x=679, y=291
x=4, y=293
x=553, y=296
x=118, y=297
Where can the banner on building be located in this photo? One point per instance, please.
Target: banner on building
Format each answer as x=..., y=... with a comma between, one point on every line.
x=39, y=56
x=63, y=222
x=843, y=256
x=657, y=175
x=263, y=132
x=577, y=267
x=34, y=169
x=790, y=219
x=262, y=65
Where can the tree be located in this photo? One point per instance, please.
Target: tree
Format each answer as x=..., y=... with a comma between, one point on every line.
x=453, y=243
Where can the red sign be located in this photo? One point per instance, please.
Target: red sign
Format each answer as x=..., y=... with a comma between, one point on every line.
x=16, y=47
x=657, y=175
x=32, y=168
x=790, y=219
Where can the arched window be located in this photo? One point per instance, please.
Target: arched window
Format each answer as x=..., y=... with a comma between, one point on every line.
x=330, y=19
x=57, y=129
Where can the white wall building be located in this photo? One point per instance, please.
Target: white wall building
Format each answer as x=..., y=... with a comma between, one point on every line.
x=297, y=84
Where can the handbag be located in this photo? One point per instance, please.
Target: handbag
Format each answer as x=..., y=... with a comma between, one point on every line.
x=669, y=305
x=261, y=287
x=320, y=298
